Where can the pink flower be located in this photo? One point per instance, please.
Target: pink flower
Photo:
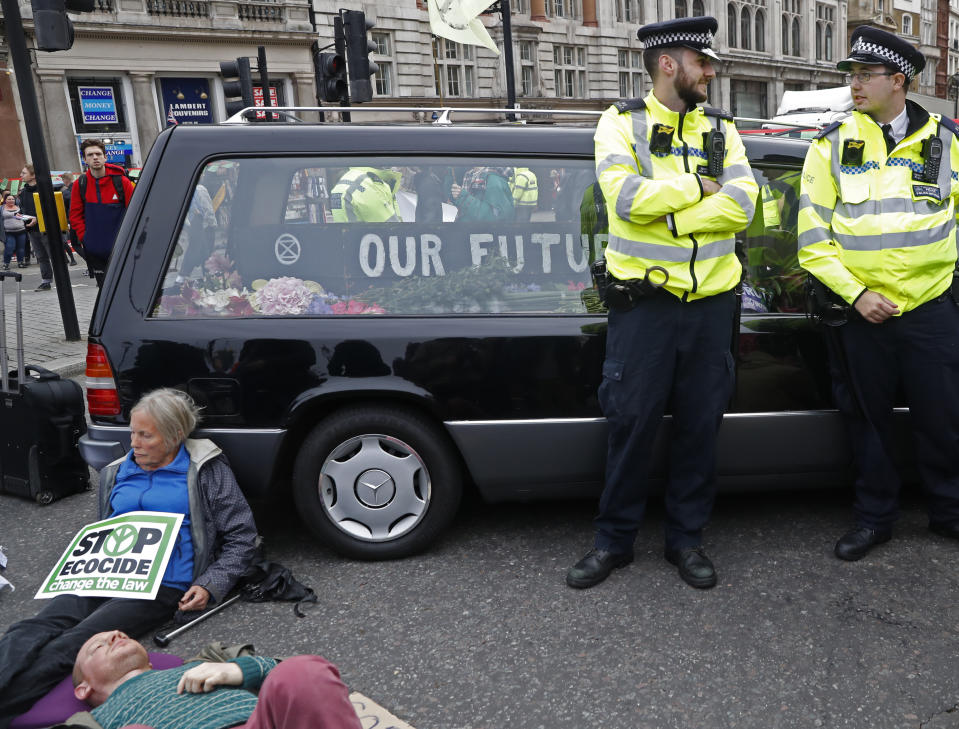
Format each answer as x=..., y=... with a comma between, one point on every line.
x=219, y=262
x=356, y=307
x=282, y=296
x=570, y=286
x=239, y=306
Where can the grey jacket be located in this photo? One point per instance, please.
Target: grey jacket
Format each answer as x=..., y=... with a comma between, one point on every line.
x=221, y=523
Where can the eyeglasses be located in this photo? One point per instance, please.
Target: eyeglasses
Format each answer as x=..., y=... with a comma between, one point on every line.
x=864, y=77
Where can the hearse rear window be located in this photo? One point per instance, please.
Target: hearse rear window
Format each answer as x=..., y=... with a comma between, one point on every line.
x=389, y=236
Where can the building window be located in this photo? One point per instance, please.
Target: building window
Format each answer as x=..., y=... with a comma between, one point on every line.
x=569, y=71
x=528, y=71
x=630, y=74
x=680, y=8
x=907, y=24
x=565, y=8
x=746, y=24
x=699, y=10
x=628, y=11
x=520, y=7
x=748, y=98
x=825, y=20
x=383, y=57
x=792, y=12
x=455, y=69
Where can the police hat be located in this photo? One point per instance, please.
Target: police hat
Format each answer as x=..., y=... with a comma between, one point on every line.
x=695, y=33
x=872, y=45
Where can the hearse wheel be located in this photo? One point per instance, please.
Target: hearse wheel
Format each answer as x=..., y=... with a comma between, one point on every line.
x=377, y=482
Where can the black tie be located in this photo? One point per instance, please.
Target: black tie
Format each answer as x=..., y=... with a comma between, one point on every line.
x=887, y=135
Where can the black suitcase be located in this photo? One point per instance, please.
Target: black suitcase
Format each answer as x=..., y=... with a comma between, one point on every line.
x=41, y=419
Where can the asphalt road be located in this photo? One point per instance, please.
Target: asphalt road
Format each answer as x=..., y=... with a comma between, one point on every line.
x=482, y=633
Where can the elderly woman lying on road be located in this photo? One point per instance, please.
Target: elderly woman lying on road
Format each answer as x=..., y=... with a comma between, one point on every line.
x=164, y=471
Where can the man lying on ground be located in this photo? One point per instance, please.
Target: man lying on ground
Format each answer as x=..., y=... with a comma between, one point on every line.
x=113, y=674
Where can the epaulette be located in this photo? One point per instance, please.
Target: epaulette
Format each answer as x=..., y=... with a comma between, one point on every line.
x=828, y=129
x=714, y=111
x=629, y=105
x=949, y=124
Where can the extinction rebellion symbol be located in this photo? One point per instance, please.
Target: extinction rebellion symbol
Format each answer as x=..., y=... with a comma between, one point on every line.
x=287, y=249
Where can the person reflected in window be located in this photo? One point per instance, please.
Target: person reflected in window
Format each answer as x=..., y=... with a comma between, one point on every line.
x=484, y=195
x=366, y=194
x=525, y=189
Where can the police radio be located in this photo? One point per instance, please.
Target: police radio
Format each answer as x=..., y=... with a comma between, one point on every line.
x=714, y=145
x=932, y=157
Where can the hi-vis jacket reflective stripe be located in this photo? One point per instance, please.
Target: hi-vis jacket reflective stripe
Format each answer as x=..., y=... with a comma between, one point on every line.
x=870, y=225
x=641, y=188
x=523, y=185
x=367, y=194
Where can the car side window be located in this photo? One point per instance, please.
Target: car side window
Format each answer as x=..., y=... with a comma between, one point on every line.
x=390, y=236
x=774, y=279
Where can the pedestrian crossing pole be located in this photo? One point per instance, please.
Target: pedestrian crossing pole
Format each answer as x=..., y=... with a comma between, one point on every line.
x=17, y=44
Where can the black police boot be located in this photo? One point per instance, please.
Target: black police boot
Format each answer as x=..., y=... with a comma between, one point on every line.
x=856, y=544
x=595, y=567
x=695, y=567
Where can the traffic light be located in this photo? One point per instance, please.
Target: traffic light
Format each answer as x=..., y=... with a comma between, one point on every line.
x=53, y=28
x=330, y=76
x=237, y=85
x=358, y=48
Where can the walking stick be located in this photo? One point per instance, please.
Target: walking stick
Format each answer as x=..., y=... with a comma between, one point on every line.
x=163, y=639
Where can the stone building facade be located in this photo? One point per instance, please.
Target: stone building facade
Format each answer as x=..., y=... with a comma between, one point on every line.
x=139, y=64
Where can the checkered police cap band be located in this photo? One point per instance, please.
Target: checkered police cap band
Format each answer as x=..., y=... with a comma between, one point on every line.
x=862, y=46
x=665, y=40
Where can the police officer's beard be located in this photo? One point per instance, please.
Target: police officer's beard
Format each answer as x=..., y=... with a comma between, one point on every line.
x=687, y=90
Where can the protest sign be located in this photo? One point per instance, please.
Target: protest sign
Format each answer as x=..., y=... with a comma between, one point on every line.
x=123, y=556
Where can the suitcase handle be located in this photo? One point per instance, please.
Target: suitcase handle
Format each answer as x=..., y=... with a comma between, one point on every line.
x=45, y=375
x=15, y=275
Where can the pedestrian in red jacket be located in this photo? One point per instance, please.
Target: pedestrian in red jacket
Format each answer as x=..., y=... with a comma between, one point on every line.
x=98, y=200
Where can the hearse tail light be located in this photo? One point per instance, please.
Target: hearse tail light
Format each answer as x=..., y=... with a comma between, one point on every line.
x=102, y=396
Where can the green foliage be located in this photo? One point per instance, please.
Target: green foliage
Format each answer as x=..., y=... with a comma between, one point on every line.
x=457, y=291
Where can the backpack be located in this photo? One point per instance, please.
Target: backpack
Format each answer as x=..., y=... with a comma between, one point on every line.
x=264, y=580
x=117, y=185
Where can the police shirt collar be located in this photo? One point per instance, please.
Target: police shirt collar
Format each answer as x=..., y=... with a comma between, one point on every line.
x=898, y=126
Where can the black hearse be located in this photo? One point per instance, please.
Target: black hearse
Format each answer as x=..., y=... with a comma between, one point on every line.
x=382, y=367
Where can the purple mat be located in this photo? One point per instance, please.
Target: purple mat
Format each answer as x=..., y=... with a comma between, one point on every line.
x=60, y=703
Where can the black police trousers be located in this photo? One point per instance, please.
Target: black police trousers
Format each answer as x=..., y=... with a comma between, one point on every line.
x=37, y=653
x=918, y=351
x=664, y=354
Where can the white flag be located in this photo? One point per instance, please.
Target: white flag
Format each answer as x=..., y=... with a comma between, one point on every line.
x=457, y=20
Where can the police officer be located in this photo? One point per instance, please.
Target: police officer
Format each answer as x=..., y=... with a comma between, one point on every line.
x=524, y=186
x=877, y=226
x=367, y=194
x=677, y=187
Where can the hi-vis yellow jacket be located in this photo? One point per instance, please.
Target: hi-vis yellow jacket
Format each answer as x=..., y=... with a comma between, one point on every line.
x=642, y=187
x=866, y=222
x=367, y=194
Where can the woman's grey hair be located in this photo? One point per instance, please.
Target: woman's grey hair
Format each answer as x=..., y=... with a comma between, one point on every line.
x=174, y=413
